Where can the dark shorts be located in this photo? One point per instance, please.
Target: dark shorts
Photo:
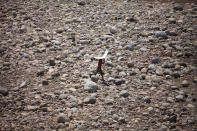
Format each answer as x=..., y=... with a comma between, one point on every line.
x=98, y=71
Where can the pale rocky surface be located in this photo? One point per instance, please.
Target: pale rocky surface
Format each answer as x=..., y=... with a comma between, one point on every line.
x=46, y=56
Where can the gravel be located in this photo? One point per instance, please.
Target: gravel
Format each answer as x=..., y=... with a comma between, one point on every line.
x=47, y=51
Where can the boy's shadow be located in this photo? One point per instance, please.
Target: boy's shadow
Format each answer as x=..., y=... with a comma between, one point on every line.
x=105, y=83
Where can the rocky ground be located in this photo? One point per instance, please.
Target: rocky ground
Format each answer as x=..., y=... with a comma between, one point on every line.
x=150, y=72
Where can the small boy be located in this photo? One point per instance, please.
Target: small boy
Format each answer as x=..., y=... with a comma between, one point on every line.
x=99, y=69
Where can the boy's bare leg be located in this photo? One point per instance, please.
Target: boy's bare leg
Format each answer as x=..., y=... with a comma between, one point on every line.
x=102, y=74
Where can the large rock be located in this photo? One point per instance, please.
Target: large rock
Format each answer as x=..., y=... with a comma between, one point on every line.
x=90, y=86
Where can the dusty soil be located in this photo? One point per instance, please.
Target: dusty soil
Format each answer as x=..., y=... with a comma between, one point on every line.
x=150, y=72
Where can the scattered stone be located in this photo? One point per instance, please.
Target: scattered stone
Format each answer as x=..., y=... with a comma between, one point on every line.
x=178, y=7
x=4, y=91
x=62, y=118
x=132, y=73
x=173, y=87
x=106, y=37
x=45, y=109
x=130, y=64
x=144, y=70
x=52, y=62
x=185, y=83
x=190, y=106
x=155, y=60
x=122, y=74
x=94, y=78
x=195, y=80
x=60, y=127
x=122, y=120
x=194, y=9
x=111, y=79
x=143, y=49
x=173, y=118
x=23, y=84
x=72, y=89
x=40, y=72
x=170, y=99
x=90, y=86
x=183, y=64
x=151, y=39
x=84, y=42
x=172, y=21
x=161, y=34
x=45, y=82
x=98, y=42
x=168, y=65
x=109, y=63
x=159, y=72
x=163, y=128
x=113, y=30
x=60, y=30
x=81, y=2
x=188, y=54
x=109, y=101
x=90, y=100
x=150, y=109
x=63, y=96
x=176, y=75
x=147, y=99
x=151, y=67
x=15, y=89
x=55, y=74
x=179, y=98
x=124, y=93
x=129, y=47
x=131, y=19
x=31, y=108
x=119, y=81
x=119, y=68
x=171, y=33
